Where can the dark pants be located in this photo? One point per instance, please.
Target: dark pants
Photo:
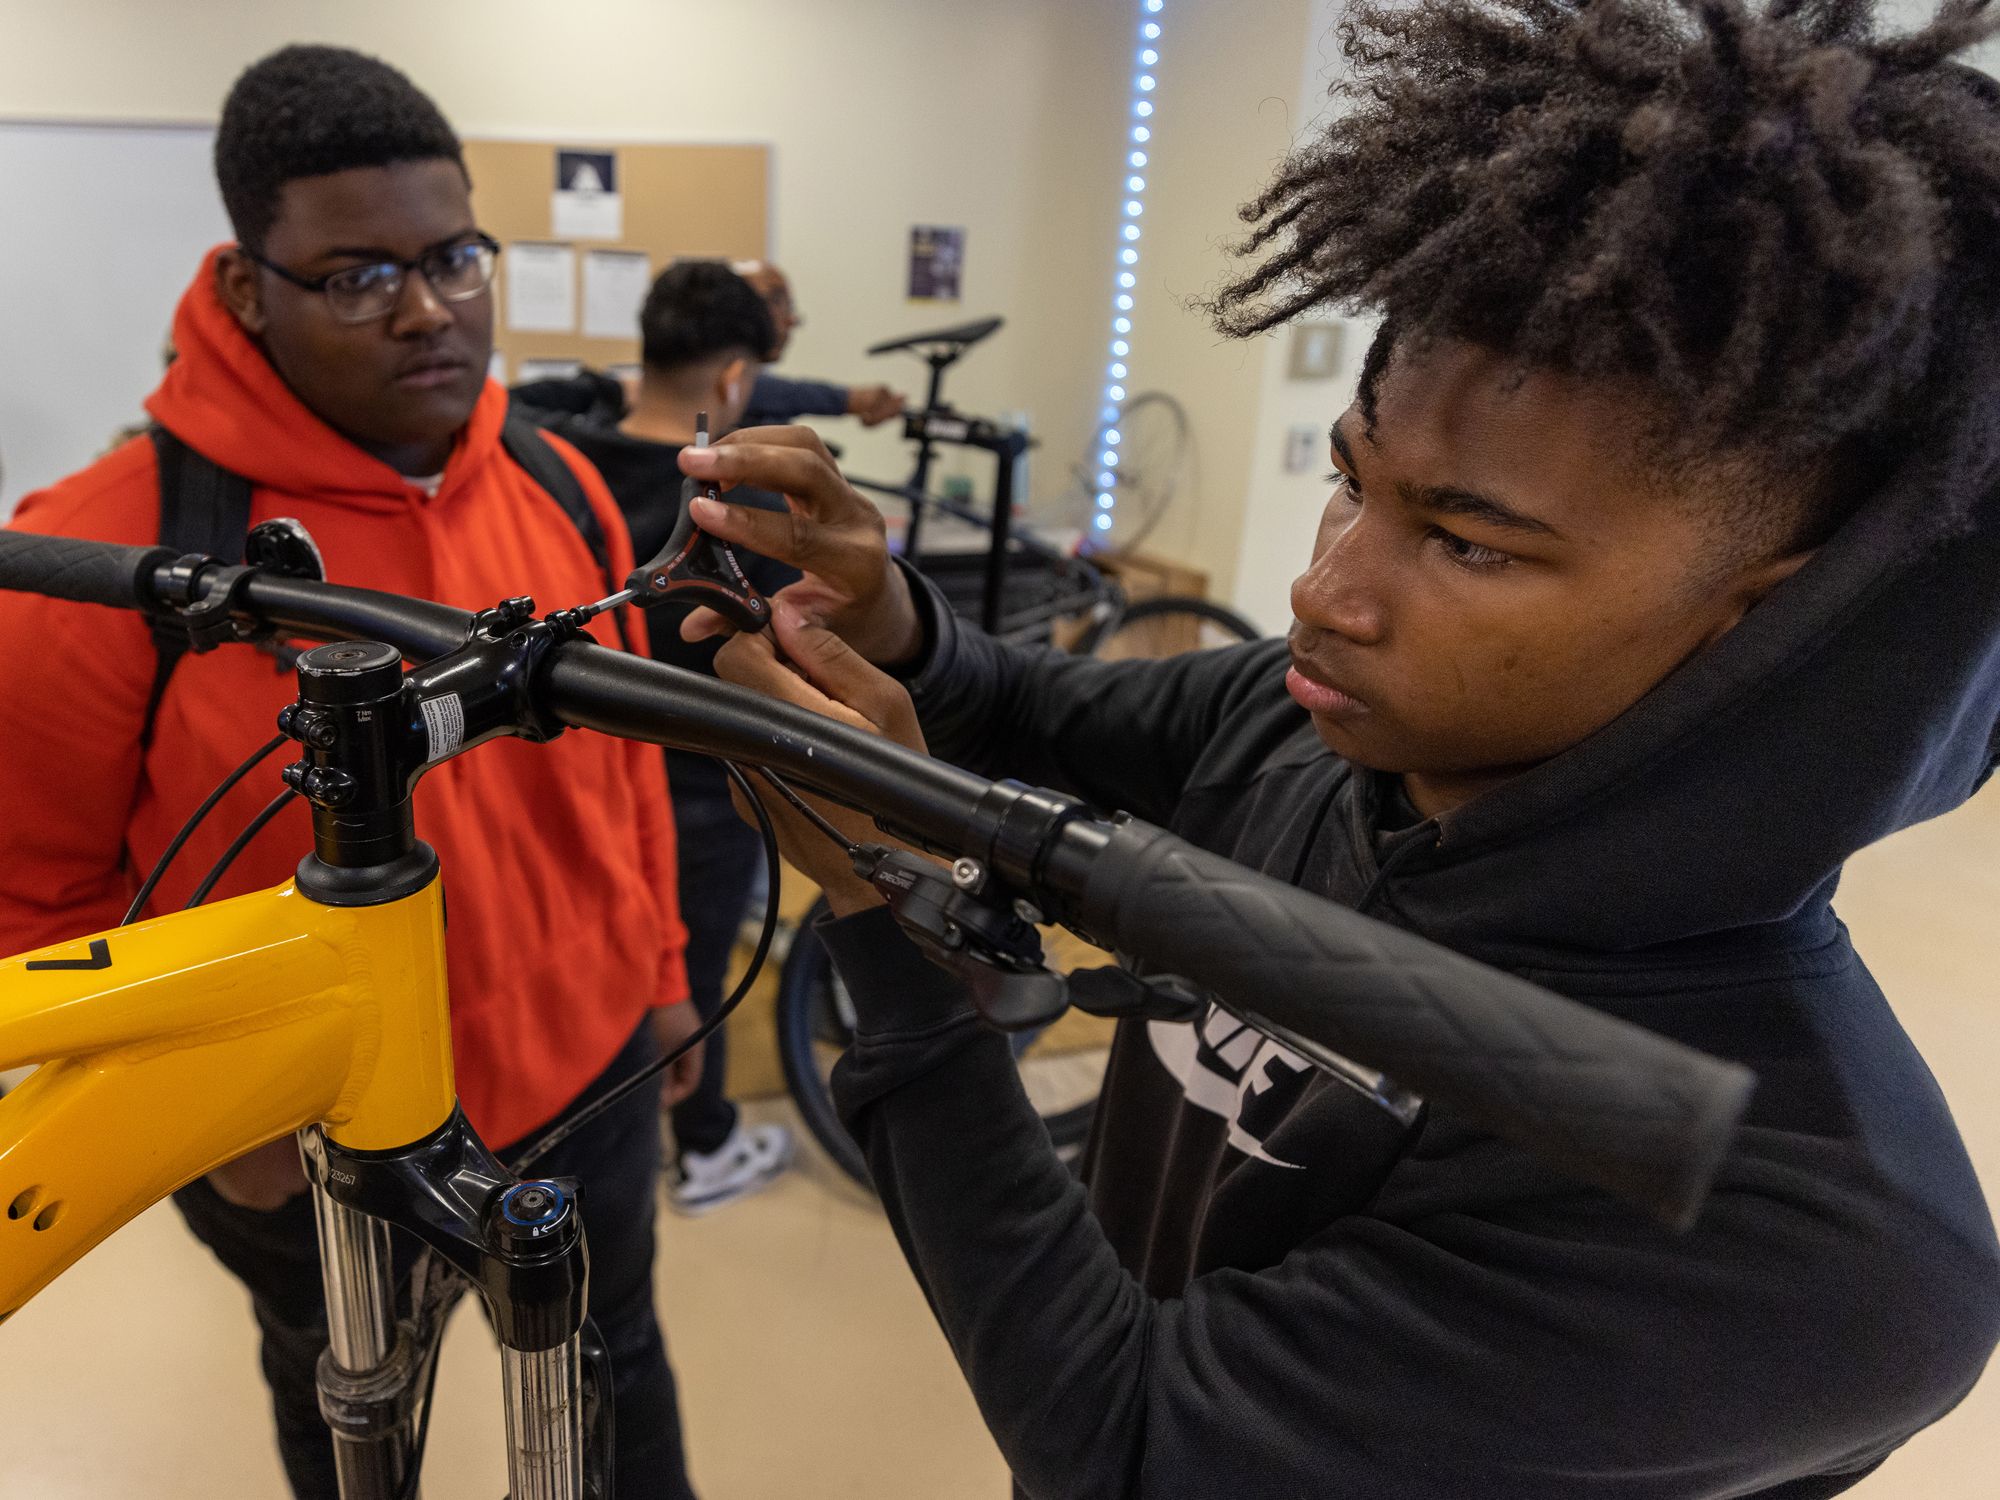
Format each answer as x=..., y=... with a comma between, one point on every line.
x=719, y=856
x=617, y=1160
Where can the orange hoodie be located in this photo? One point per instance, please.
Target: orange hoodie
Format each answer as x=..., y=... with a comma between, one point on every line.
x=558, y=859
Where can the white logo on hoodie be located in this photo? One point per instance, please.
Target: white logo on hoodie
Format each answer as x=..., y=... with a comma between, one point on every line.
x=1229, y=1070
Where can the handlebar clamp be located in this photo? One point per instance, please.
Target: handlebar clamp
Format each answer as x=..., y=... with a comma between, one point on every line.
x=492, y=677
x=204, y=597
x=1018, y=826
x=208, y=598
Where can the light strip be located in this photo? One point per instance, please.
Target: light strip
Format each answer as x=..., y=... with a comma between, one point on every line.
x=1138, y=158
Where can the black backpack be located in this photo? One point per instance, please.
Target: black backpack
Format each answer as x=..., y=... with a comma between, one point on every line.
x=206, y=509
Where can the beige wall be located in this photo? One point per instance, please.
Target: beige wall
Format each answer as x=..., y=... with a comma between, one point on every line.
x=1279, y=509
x=1228, y=104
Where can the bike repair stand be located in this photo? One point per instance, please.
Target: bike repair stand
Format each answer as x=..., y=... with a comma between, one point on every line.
x=519, y=1242
x=938, y=423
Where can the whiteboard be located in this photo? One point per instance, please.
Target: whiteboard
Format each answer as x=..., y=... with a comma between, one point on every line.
x=101, y=229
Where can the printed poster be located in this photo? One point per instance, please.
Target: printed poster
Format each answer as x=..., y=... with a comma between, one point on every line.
x=549, y=369
x=937, y=263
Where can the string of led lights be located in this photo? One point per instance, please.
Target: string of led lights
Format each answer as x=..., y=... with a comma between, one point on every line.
x=1138, y=157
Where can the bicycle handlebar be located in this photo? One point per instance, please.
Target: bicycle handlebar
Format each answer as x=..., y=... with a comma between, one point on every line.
x=1608, y=1102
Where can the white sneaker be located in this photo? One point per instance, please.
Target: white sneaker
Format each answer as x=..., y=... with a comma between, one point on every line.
x=751, y=1157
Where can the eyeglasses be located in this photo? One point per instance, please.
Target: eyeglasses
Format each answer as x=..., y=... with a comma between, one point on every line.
x=362, y=294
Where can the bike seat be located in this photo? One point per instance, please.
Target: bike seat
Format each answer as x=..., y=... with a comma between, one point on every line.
x=956, y=339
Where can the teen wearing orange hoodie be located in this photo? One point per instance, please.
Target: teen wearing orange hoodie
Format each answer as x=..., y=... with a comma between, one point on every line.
x=336, y=358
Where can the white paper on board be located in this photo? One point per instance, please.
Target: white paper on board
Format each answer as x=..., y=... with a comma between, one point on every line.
x=588, y=216
x=541, y=287
x=496, y=366
x=615, y=283
x=548, y=369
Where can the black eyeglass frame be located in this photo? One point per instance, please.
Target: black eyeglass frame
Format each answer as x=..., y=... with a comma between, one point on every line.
x=402, y=268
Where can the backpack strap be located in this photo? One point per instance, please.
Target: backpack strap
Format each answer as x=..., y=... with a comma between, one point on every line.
x=525, y=444
x=203, y=508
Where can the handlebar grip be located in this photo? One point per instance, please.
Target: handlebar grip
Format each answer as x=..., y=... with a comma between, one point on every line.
x=64, y=567
x=1600, y=1099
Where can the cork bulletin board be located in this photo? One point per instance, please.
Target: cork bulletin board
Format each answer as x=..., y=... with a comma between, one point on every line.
x=672, y=201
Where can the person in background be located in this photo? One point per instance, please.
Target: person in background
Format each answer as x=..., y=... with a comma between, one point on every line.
x=779, y=399
x=597, y=396
x=335, y=358
x=703, y=332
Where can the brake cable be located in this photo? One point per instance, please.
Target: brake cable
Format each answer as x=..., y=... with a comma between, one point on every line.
x=256, y=826
x=435, y=1287
x=810, y=813
x=180, y=839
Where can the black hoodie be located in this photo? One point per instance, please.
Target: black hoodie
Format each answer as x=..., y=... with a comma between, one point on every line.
x=1274, y=1287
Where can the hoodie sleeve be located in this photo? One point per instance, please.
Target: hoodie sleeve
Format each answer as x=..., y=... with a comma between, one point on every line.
x=1482, y=1327
x=776, y=400
x=75, y=680
x=655, y=833
x=1124, y=734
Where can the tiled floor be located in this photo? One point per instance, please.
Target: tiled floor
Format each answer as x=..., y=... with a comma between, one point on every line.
x=809, y=1363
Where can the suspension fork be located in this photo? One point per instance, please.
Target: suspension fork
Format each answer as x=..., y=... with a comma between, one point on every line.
x=519, y=1242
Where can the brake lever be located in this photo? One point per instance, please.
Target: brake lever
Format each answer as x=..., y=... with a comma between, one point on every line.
x=1119, y=994
x=974, y=935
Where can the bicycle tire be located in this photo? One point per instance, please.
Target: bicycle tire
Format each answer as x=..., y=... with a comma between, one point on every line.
x=806, y=975
x=1100, y=633
x=807, y=1015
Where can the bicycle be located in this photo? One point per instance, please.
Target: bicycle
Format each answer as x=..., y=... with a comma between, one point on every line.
x=320, y=1007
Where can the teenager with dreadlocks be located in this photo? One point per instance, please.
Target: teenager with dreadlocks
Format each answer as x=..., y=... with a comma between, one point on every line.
x=1659, y=576
x=332, y=367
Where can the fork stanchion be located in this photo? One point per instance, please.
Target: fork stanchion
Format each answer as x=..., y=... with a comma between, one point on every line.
x=544, y=1449
x=366, y=1374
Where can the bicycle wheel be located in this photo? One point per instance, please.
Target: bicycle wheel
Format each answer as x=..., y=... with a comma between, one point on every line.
x=1155, y=445
x=1166, y=626
x=1062, y=1067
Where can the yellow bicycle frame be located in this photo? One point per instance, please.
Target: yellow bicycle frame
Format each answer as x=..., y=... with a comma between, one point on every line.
x=172, y=1046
